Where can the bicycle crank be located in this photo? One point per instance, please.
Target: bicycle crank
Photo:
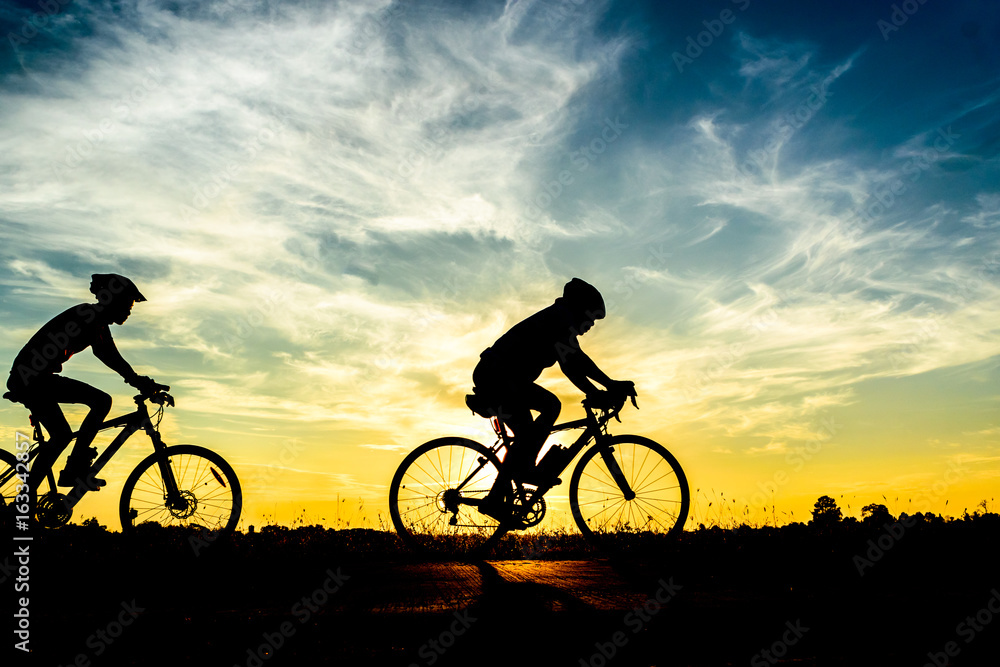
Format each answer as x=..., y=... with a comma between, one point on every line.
x=528, y=515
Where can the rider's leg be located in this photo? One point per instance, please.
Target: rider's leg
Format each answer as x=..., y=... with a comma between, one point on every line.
x=531, y=434
x=67, y=390
x=99, y=402
x=54, y=422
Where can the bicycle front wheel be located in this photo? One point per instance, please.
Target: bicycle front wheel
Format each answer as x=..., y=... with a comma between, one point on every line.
x=648, y=493
x=209, y=494
x=428, y=498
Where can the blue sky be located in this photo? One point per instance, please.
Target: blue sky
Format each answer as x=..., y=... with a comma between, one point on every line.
x=334, y=207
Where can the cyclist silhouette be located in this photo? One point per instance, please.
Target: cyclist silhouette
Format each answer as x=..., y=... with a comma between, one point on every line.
x=35, y=381
x=505, y=378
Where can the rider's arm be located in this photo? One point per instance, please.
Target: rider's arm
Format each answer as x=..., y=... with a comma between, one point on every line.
x=580, y=369
x=105, y=350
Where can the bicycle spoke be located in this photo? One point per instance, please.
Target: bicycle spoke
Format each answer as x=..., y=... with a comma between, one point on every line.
x=437, y=474
x=656, y=505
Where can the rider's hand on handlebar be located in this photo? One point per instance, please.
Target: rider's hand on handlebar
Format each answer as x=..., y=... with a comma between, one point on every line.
x=613, y=398
x=622, y=387
x=603, y=400
x=146, y=385
x=625, y=389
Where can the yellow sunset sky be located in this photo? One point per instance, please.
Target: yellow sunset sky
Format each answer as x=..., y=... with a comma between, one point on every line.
x=333, y=208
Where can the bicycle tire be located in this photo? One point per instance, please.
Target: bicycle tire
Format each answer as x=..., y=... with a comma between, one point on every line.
x=143, y=491
x=8, y=491
x=599, y=507
x=416, y=498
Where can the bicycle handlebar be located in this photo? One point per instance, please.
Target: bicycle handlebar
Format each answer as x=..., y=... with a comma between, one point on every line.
x=159, y=396
x=612, y=409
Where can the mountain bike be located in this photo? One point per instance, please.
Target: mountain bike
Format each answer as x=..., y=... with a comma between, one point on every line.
x=621, y=484
x=183, y=485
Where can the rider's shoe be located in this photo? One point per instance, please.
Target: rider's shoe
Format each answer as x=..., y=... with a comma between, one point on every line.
x=538, y=478
x=78, y=469
x=496, y=508
x=72, y=476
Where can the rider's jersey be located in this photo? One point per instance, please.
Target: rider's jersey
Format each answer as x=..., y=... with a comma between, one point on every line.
x=534, y=344
x=60, y=338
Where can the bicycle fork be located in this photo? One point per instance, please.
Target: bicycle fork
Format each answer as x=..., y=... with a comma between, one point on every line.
x=172, y=494
x=608, y=455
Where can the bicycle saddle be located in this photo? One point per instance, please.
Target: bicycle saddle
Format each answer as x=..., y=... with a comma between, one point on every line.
x=481, y=406
x=13, y=398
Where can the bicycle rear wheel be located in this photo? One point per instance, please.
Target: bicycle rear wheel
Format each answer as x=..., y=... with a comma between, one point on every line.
x=8, y=486
x=427, y=494
x=659, y=499
x=210, y=493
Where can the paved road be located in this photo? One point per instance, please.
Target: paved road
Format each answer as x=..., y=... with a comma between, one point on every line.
x=435, y=587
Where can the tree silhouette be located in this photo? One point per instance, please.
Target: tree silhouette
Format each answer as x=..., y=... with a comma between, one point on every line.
x=825, y=511
x=876, y=515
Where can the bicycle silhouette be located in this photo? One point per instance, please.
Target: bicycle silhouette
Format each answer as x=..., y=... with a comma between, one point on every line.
x=183, y=485
x=622, y=484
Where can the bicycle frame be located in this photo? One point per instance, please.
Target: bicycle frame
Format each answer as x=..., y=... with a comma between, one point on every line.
x=129, y=424
x=594, y=429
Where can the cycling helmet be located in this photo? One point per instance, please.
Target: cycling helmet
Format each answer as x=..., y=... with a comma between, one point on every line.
x=584, y=298
x=114, y=285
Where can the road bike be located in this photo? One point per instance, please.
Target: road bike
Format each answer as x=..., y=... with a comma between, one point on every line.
x=621, y=484
x=179, y=485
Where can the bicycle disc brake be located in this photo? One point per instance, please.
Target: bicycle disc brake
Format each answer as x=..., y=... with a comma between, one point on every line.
x=185, y=506
x=52, y=510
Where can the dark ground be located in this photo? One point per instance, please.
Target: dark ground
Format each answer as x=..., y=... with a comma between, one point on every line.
x=730, y=595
